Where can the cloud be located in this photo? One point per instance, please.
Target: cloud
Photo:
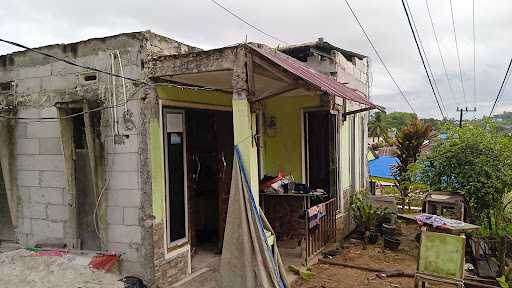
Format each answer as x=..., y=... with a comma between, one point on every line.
x=203, y=24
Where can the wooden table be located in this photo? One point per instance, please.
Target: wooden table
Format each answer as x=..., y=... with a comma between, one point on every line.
x=454, y=230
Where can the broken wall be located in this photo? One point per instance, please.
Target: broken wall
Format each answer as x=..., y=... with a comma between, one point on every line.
x=46, y=203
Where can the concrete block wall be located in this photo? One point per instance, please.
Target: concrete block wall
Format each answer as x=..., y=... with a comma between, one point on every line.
x=42, y=214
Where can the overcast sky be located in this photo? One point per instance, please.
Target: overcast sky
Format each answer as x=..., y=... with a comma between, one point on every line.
x=203, y=24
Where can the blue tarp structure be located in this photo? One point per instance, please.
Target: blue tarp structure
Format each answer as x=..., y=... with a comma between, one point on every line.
x=382, y=168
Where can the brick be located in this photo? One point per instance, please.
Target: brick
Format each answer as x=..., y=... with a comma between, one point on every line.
x=127, y=162
x=115, y=215
x=43, y=129
x=124, y=198
x=28, y=178
x=37, y=211
x=46, y=195
x=27, y=146
x=50, y=146
x=43, y=228
x=53, y=179
x=124, y=180
x=57, y=212
x=124, y=234
x=131, y=216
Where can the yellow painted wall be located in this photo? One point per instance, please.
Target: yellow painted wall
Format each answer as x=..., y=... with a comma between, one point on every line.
x=194, y=96
x=282, y=145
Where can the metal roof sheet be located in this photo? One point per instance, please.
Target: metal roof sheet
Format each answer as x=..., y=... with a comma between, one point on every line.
x=321, y=81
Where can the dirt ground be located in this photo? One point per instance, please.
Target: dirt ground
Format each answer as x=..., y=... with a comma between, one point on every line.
x=375, y=256
x=20, y=268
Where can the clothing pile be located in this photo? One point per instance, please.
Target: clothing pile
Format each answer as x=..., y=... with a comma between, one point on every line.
x=437, y=221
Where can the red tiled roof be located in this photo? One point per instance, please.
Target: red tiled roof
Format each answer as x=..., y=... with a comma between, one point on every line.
x=321, y=81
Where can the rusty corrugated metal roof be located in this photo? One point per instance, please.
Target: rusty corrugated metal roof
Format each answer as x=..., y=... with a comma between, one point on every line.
x=321, y=81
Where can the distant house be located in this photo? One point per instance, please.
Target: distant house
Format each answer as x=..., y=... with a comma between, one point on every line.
x=93, y=162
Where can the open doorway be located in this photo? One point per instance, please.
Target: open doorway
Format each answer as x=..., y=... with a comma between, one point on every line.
x=321, y=163
x=6, y=226
x=199, y=145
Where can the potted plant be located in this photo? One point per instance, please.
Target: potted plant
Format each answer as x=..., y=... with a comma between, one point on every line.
x=367, y=217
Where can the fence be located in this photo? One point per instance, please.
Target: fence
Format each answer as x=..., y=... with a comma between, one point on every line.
x=322, y=232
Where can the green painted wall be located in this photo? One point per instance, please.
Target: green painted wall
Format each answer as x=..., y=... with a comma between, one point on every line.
x=345, y=153
x=194, y=96
x=282, y=146
x=157, y=175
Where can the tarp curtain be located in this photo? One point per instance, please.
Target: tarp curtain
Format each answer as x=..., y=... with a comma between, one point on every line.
x=247, y=259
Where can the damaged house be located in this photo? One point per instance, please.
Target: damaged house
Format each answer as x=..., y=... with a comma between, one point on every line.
x=144, y=168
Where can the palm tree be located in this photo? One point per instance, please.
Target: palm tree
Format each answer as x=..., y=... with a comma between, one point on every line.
x=377, y=126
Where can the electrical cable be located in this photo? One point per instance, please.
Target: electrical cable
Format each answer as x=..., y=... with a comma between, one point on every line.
x=500, y=91
x=426, y=58
x=458, y=55
x=422, y=60
x=450, y=87
x=379, y=56
x=248, y=23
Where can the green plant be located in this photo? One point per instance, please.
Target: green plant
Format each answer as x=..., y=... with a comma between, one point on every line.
x=366, y=216
x=505, y=280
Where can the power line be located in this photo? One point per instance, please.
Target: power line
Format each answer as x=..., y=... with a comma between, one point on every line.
x=248, y=23
x=426, y=58
x=500, y=91
x=421, y=57
x=458, y=55
x=379, y=57
x=96, y=69
x=441, y=55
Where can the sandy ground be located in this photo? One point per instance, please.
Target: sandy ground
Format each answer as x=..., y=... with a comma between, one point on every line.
x=328, y=276
x=20, y=268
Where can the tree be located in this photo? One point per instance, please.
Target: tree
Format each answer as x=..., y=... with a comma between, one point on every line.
x=377, y=126
x=409, y=142
x=399, y=120
x=475, y=161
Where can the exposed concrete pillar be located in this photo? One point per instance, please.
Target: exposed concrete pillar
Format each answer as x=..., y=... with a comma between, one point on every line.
x=244, y=122
x=7, y=159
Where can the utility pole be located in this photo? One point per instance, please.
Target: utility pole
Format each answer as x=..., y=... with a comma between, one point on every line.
x=462, y=110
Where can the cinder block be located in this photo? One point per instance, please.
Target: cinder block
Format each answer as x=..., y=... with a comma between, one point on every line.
x=43, y=228
x=25, y=226
x=115, y=215
x=28, y=86
x=21, y=130
x=52, y=179
x=127, y=162
x=124, y=234
x=124, y=180
x=60, y=82
x=131, y=144
x=131, y=216
x=124, y=197
x=57, y=212
x=50, y=146
x=49, y=162
x=28, y=112
x=129, y=251
x=33, y=72
x=37, y=211
x=46, y=195
x=49, y=112
x=27, y=146
x=43, y=129
x=27, y=178
x=24, y=193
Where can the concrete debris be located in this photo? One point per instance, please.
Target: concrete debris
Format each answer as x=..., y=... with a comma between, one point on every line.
x=20, y=268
